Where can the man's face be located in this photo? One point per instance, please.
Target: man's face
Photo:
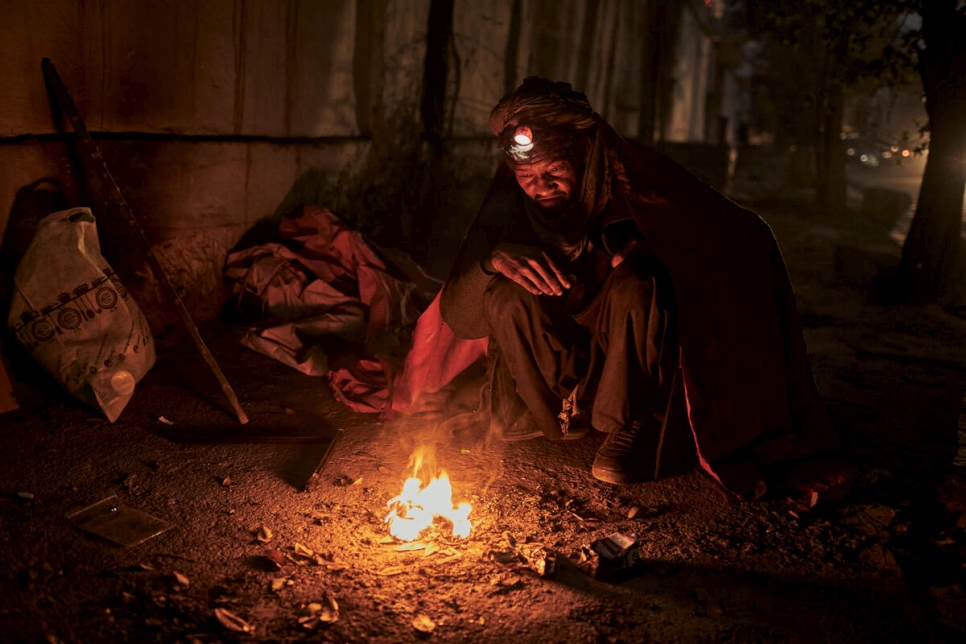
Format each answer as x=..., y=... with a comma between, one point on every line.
x=550, y=184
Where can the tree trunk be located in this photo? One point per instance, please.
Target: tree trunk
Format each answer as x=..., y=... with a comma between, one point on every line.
x=829, y=157
x=439, y=31
x=932, y=254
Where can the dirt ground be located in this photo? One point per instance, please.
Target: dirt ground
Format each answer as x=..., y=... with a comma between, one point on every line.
x=250, y=557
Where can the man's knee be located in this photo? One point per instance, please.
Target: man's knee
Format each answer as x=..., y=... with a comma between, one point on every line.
x=504, y=298
x=630, y=289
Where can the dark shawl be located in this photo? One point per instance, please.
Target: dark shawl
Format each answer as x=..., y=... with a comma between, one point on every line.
x=751, y=398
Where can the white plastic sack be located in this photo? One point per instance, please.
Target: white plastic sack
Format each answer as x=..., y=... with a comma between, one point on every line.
x=71, y=312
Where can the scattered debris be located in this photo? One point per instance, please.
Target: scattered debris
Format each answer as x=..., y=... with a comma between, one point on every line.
x=632, y=512
x=546, y=565
x=226, y=481
x=611, y=558
x=424, y=624
x=181, y=579
x=264, y=534
x=281, y=582
x=302, y=551
x=411, y=545
x=503, y=557
x=26, y=496
x=315, y=613
x=110, y=519
x=390, y=571
x=451, y=555
x=233, y=622
x=162, y=419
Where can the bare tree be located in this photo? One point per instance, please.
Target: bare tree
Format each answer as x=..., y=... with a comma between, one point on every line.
x=932, y=256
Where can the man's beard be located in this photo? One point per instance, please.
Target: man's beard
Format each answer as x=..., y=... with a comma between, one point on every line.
x=564, y=222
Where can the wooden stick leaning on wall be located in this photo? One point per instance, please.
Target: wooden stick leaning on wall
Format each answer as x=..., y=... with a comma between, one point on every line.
x=66, y=104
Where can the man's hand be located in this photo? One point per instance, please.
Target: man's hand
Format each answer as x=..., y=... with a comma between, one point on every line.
x=530, y=267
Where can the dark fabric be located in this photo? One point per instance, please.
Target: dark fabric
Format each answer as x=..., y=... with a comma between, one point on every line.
x=618, y=349
x=750, y=394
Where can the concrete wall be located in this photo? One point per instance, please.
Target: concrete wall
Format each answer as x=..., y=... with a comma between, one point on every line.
x=213, y=115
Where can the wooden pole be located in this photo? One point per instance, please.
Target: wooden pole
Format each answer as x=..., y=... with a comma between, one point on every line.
x=66, y=103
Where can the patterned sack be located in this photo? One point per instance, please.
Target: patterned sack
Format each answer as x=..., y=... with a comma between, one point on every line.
x=75, y=317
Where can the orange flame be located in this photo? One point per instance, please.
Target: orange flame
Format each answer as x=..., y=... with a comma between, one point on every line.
x=415, y=509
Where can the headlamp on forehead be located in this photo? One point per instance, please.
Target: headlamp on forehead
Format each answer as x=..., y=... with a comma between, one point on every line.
x=520, y=145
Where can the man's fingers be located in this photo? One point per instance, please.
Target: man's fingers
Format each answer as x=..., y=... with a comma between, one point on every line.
x=527, y=284
x=561, y=277
x=532, y=269
x=531, y=280
x=545, y=279
x=549, y=275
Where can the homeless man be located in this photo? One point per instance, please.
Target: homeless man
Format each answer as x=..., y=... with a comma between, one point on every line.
x=621, y=293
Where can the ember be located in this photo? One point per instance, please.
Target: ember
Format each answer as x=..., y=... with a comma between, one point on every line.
x=415, y=509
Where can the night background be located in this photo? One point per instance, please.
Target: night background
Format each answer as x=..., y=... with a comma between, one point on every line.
x=843, y=124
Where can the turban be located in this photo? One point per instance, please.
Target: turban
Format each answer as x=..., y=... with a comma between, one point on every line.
x=545, y=104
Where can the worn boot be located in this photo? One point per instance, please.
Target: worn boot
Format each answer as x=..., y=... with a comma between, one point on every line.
x=627, y=455
x=524, y=428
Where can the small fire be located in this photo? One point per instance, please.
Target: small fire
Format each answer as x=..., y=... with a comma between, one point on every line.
x=415, y=509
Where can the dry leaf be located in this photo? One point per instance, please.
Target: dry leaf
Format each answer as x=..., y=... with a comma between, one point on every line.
x=431, y=548
x=226, y=481
x=280, y=583
x=388, y=571
x=145, y=566
x=181, y=579
x=298, y=562
x=330, y=611
x=233, y=622
x=264, y=534
x=164, y=420
x=812, y=499
x=302, y=551
x=632, y=512
x=387, y=539
x=413, y=545
x=423, y=624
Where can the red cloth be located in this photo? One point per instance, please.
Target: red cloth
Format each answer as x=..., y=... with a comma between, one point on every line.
x=437, y=356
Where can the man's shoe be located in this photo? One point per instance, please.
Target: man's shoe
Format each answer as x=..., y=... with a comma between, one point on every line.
x=627, y=454
x=523, y=429
x=579, y=427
